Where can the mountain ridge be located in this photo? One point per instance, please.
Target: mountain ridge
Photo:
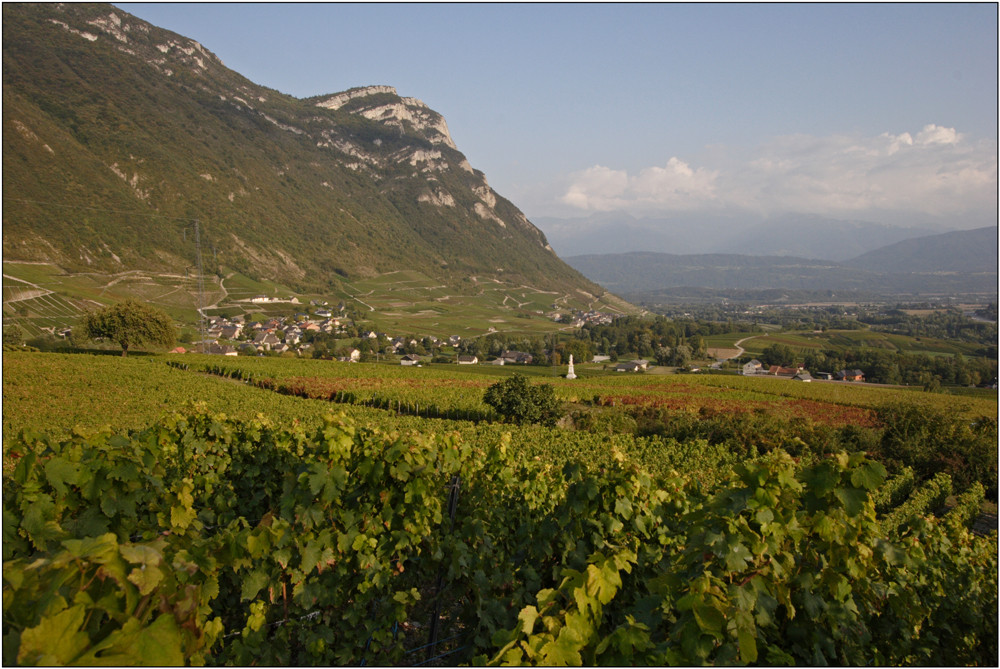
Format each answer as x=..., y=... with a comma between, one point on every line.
x=902, y=268
x=799, y=235
x=120, y=134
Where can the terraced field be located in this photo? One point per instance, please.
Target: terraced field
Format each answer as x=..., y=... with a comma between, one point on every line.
x=40, y=297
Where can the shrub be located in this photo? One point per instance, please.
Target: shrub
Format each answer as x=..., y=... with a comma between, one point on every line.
x=520, y=402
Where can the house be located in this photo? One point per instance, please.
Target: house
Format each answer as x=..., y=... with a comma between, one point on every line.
x=402, y=342
x=230, y=331
x=498, y=361
x=633, y=366
x=752, y=367
x=602, y=358
x=825, y=376
x=353, y=355
x=803, y=376
x=219, y=349
x=266, y=340
x=517, y=357
x=179, y=349
x=467, y=360
x=787, y=372
x=409, y=360
x=850, y=375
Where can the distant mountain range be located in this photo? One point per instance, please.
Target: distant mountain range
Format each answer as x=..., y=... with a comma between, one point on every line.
x=960, y=263
x=964, y=251
x=801, y=236
x=117, y=135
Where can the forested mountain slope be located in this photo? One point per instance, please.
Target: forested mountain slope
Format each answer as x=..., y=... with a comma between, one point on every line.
x=118, y=135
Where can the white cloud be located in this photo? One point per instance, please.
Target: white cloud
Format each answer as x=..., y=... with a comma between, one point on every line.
x=936, y=171
x=935, y=134
x=596, y=187
x=674, y=186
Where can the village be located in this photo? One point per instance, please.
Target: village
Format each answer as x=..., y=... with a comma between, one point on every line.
x=332, y=333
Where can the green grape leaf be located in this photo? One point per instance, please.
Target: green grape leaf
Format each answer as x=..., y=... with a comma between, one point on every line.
x=869, y=475
x=59, y=472
x=563, y=652
x=528, y=616
x=748, y=646
x=55, y=640
x=146, y=578
x=708, y=617
x=737, y=557
x=253, y=582
x=159, y=644
x=853, y=499
x=181, y=516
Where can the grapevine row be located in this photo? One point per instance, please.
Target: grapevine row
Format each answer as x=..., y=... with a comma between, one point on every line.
x=928, y=497
x=204, y=539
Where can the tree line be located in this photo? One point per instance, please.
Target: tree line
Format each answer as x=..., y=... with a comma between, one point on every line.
x=891, y=367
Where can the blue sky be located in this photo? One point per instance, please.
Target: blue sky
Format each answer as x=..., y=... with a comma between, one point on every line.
x=864, y=111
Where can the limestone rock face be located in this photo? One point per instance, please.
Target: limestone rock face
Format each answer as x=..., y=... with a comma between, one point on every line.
x=400, y=112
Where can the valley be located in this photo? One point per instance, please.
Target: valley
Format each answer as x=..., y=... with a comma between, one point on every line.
x=286, y=382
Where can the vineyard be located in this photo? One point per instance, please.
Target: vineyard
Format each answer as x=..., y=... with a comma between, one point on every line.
x=307, y=513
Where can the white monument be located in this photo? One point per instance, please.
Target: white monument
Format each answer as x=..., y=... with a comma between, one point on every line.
x=570, y=374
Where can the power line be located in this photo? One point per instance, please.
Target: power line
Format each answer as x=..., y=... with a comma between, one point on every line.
x=201, y=288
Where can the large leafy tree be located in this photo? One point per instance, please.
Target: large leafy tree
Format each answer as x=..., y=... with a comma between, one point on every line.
x=520, y=402
x=130, y=323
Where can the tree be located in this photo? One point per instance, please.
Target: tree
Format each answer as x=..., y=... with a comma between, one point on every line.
x=662, y=355
x=777, y=354
x=520, y=402
x=13, y=335
x=130, y=323
x=680, y=356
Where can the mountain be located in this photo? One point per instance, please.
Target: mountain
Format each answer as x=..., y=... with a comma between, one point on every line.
x=118, y=135
x=962, y=262
x=798, y=235
x=812, y=236
x=620, y=232
x=639, y=272
x=959, y=251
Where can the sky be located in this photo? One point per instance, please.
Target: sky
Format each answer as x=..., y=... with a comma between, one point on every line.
x=880, y=112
